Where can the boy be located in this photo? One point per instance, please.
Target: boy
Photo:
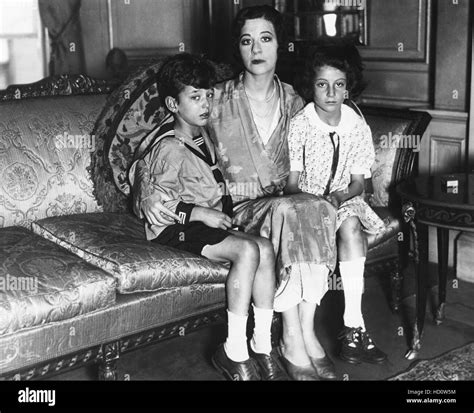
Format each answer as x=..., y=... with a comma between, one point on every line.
x=179, y=173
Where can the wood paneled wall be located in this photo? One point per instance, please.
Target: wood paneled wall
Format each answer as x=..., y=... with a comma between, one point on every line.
x=142, y=28
x=397, y=56
x=452, y=55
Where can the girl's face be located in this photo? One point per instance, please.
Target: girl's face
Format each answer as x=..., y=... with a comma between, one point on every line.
x=258, y=46
x=329, y=90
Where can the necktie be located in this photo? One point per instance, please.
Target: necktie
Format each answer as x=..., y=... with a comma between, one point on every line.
x=227, y=205
x=335, y=160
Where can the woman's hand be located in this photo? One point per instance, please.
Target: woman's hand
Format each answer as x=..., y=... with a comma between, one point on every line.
x=156, y=213
x=291, y=186
x=211, y=217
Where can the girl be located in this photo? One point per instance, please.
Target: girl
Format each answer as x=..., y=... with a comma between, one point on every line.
x=331, y=151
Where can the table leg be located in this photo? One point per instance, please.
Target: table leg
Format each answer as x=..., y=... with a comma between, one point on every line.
x=420, y=233
x=443, y=250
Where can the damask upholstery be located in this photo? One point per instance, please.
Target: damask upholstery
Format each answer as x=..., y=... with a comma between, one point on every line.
x=386, y=245
x=41, y=283
x=389, y=133
x=134, y=108
x=116, y=243
x=133, y=313
x=393, y=227
x=45, y=148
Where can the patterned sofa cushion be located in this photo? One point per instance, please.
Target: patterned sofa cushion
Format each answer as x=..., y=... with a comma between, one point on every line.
x=45, y=149
x=133, y=109
x=116, y=243
x=41, y=283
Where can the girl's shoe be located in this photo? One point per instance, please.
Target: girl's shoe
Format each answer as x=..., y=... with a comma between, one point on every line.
x=357, y=347
x=372, y=354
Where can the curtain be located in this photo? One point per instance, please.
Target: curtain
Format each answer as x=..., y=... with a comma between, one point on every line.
x=61, y=18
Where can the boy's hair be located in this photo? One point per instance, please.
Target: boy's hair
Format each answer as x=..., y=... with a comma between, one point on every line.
x=338, y=53
x=183, y=70
x=256, y=12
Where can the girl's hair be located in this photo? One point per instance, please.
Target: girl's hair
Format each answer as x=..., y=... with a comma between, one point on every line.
x=183, y=70
x=338, y=53
x=256, y=12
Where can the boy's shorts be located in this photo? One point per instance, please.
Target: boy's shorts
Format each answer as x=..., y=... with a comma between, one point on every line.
x=192, y=237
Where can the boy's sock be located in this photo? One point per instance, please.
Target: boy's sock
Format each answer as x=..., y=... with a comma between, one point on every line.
x=262, y=339
x=236, y=344
x=352, y=274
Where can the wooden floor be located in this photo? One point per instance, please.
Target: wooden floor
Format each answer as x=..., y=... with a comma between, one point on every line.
x=188, y=357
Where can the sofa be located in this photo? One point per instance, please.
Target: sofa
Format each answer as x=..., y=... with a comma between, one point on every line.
x=79, y=283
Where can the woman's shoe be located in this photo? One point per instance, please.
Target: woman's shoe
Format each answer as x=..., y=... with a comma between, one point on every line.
x=324, y=367
x=299, y=373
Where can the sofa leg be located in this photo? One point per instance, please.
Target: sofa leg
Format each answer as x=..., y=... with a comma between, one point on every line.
x=108, y=363
x=396, y=281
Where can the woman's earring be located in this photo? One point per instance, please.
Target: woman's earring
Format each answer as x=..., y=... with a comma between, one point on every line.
x=346, y=94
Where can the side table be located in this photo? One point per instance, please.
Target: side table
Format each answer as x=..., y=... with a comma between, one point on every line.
x=427, y=201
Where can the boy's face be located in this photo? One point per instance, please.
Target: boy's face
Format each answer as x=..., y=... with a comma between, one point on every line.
x=193, y=106
x=329, y=89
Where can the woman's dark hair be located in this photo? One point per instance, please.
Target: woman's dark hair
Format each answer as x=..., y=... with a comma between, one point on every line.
x=183, y=70
x=339, y=53
x=256, y=12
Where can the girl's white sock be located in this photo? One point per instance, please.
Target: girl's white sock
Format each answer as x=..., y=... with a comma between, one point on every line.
x=352, y=274
x=236, y=344
x=262, y=338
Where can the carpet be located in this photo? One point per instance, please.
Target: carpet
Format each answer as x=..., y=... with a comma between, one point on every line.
x=457, y=364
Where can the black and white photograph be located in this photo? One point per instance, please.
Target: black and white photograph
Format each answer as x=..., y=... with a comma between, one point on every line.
x=200, y=192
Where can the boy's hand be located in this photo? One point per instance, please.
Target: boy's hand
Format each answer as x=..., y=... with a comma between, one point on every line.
x=211, y=217
x=156, y=213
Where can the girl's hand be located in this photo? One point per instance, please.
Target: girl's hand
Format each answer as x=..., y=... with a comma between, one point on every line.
x=211, y=217
x=334, y=199
x=356, y=187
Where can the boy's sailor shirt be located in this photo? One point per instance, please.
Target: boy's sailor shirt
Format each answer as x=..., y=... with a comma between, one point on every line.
x=181, y=172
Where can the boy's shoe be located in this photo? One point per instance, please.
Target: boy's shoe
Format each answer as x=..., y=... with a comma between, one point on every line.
x=270, y=367
x=357, y=346
x=233, y=370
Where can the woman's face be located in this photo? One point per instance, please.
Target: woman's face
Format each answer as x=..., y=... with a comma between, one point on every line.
x=329, y=89
x=258, y=46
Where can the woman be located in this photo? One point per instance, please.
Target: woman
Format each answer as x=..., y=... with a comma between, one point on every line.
x=249, y=125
